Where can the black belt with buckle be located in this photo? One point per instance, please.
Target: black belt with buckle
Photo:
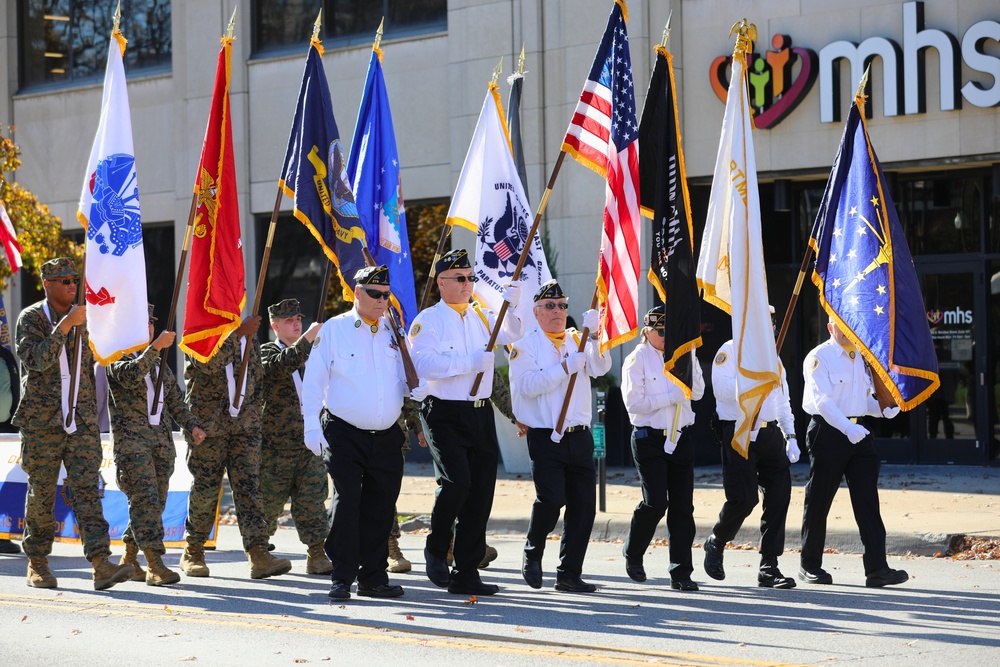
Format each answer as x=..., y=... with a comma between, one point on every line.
x=461, y=404
x=574, y=429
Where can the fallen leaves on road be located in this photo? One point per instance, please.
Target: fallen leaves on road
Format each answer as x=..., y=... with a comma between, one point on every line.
x=471, y=600
x=300, y=660
x=190, y=658
x=520, y=629
x=24, y=618
x=168, y=609
x=966, y=547
x=409, y=617
x=76, y=631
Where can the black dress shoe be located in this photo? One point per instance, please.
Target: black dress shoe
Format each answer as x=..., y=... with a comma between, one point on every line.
x=771, y=577
x=531, y=570
x=437, y=569
x=8, y=547
x=472, y=588
x=817, y=576
x=574, y=585
x=340, y=590
x=380, y=591
x=270, y=546
x=886, y=577
x=634, y=569
x=686, y=585
x=713, y=559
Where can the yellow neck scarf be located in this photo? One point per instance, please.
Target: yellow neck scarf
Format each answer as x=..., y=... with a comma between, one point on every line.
x=459, y=308
x=557, y=338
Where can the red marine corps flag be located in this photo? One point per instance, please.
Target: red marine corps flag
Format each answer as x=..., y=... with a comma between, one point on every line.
x=602, y=136
x=216, y=291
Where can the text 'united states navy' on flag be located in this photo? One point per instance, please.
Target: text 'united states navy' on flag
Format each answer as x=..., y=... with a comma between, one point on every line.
x=864, y=272
x=602, y=136
x=115, y=272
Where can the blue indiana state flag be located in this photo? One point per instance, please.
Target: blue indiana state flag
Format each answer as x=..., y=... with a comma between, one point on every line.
x=314, y=175
x=373, y=170
x=865, y=274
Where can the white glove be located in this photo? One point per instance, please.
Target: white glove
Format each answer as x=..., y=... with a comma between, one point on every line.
x=792, y=450
x=482, y=361
x=575, y=362
x=512, y=293
x=668, y=446
x=556, y=436
x=856, y=433
x=591, y=320
x=420, y=392
x=315, y=442
x=890, y=412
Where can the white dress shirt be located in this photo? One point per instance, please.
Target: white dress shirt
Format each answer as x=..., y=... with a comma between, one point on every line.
x=357, y=376
x=837, y=387
x=650, y=396
x=538, y=381
x=443, y=342
x=776, y=406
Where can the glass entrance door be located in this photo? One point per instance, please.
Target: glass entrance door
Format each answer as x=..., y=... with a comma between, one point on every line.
x=952, y=426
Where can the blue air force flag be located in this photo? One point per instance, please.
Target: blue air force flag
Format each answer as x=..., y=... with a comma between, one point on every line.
x=115, y=280
x=373, y=170
x=489, y=200
x=864, y=271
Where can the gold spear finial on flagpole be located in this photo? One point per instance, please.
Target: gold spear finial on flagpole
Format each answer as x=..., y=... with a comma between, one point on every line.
x=860, y=94
x=520, y=61
x=378, y=35
x=118, y=19
x=746, y=36
x=232, y=25
x=496, y=72
x=317, y=25
x=666, y=30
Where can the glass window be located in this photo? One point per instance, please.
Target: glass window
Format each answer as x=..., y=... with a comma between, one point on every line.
x=66, y=41
x=286, y=23
x=941, y=215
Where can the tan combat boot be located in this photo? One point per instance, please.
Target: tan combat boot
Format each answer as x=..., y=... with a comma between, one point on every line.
x=131, y=557
x=488, y=557
x=193, y=560
x=264, y=565
x=158, y=574
x=316, y=560
x=397, y=561
x=107, y=574
x=39, y=575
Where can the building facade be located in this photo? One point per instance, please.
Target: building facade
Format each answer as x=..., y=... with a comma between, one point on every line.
x=934, y=93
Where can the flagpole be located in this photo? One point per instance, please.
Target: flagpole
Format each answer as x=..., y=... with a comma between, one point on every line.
x=74, y=371
x=445, y=233
x=520, y=262
x=572, y=378
x=171, y=316
x=412, y=379
x=324, y=291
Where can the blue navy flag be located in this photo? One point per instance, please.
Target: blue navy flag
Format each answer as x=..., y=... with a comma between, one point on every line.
x=373, y=171
x=314, y=175
x=865, y=274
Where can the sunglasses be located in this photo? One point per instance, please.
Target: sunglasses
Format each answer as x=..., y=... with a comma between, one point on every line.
x=548, y=305
x=462, y=279
x=376, y=294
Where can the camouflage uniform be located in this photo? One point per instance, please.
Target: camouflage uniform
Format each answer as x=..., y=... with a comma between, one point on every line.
x=232, y=444
x=45, y=443
x=288, y=468
x=501, y=397
x=144, y=454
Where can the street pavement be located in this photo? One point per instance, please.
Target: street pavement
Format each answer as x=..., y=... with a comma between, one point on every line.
x=944, y=615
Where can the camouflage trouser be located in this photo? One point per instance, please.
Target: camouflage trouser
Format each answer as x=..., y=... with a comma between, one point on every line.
x=300, y=475
x=144, y=476
x=41, y=453
x=239, y=456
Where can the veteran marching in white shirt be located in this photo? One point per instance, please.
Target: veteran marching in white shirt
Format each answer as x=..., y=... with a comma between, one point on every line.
x=665, y=461
x=562, y=465
x=355, y=371
x=838, y=392
x=449, y=349
x=772, y=449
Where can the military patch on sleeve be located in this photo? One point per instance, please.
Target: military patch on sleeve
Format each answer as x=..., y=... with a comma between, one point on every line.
x=720, y=358
x=316, y=341
x=513, y=353
x=814, y=364
x=415, y=329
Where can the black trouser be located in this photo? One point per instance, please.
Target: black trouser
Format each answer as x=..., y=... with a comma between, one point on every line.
x=463, y=444
x=367, y=472
x=766, y=466
x=667, y=487
x=564, y=476
x=832, y=457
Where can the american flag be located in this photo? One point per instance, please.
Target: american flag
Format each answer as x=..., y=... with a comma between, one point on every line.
x=602, y=136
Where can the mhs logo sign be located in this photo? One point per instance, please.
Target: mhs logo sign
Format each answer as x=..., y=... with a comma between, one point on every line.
x=781, y=78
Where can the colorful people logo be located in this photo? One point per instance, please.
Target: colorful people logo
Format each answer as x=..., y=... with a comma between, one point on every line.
x=774, y=88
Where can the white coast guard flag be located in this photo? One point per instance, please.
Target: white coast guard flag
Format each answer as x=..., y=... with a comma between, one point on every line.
x=489, y=200
x=731, y=264
x=115, y=280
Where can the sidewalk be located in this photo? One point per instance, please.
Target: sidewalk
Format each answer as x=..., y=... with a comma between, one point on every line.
x=923, y=507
